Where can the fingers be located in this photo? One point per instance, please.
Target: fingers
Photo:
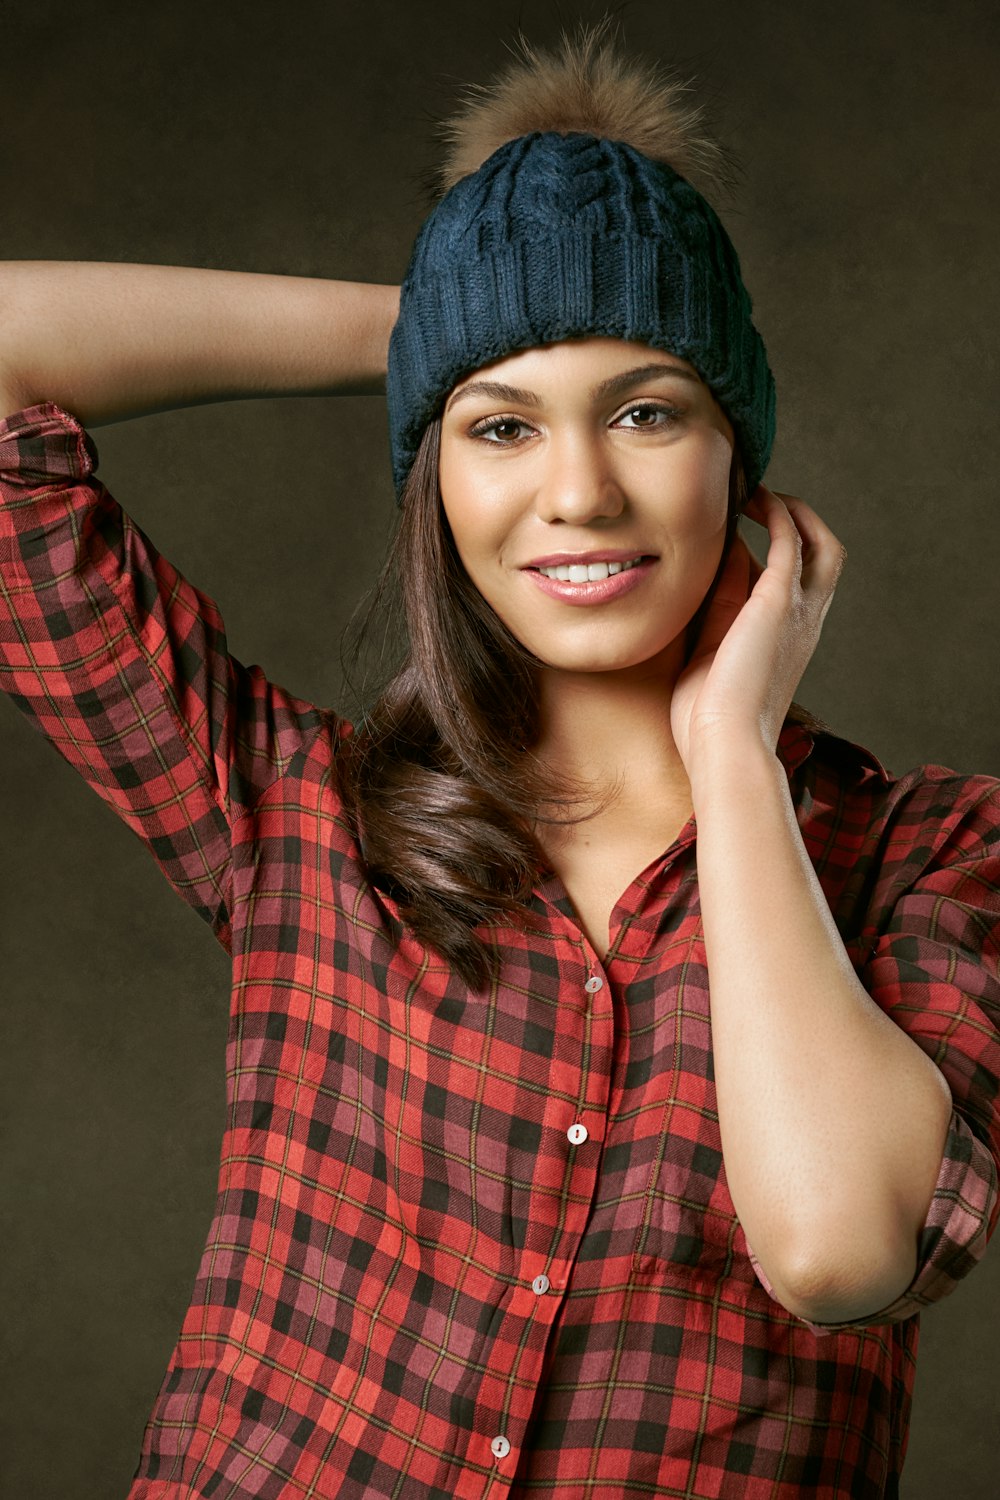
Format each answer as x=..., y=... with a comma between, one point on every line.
x=799, y=538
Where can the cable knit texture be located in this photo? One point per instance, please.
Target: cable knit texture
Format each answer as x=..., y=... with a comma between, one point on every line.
x=560, y=236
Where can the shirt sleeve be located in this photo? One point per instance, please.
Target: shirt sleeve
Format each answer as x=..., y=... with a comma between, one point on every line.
x=123, y=665
x=934, y=968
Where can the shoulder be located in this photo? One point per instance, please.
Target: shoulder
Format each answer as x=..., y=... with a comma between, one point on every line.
x=927, y=807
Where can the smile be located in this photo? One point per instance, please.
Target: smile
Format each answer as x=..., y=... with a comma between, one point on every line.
x=594, y=584
x=589, y=572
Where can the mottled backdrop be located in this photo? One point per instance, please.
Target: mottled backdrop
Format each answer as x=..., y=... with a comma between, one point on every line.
x=295, y=138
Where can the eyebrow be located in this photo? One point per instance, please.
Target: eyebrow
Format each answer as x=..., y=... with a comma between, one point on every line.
x=609, y=387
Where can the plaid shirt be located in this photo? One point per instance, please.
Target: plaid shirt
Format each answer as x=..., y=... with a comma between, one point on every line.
x=480, y=1244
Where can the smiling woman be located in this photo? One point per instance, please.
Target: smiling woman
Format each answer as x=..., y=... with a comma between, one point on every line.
x=585, y=485
x=511, y=675
x=614, y=1051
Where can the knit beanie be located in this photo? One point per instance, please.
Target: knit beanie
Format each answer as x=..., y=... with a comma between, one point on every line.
x=566, y=214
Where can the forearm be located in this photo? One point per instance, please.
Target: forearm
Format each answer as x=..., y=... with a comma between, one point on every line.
x=833, y=1121
x=110, y=341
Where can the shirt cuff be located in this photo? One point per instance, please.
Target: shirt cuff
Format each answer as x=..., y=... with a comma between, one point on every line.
x=44, y=442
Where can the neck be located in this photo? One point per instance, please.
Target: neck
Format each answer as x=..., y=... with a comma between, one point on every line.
x=611, y=729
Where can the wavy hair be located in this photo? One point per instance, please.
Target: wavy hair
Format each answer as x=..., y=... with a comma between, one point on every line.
x=438, y=779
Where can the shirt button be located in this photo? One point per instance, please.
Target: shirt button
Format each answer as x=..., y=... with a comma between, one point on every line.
x=593, y=984
x=500, y=1447
x=540, y=1285
x=577, y=1134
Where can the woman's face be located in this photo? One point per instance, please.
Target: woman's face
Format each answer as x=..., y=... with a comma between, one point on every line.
x=580, y=452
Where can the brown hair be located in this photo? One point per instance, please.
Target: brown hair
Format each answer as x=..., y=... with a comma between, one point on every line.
x=438, y=779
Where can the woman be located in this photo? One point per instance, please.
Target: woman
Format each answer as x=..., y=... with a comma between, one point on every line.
x=614, y=1053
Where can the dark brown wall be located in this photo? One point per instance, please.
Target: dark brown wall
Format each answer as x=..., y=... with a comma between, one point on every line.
x=293, y=138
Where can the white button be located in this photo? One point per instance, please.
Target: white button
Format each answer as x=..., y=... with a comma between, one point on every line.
x=540, y=1285
x=577, y=1134
x=593, y=984
x=500, y=1447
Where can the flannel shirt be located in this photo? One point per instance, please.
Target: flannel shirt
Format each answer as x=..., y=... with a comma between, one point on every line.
x=480, y=1244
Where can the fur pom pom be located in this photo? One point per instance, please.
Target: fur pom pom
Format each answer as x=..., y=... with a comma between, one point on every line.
x=584, y=86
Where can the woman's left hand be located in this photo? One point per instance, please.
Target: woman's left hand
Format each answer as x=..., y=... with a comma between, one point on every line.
x=759, y=631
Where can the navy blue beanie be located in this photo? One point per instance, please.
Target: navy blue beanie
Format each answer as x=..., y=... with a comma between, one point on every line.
x=559, y=236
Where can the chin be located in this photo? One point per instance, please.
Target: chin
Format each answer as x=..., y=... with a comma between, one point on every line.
x=609, y=661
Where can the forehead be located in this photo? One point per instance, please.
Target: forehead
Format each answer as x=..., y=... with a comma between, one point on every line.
x=595, y=363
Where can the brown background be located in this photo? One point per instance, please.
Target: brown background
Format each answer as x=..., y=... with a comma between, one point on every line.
x=294, y=138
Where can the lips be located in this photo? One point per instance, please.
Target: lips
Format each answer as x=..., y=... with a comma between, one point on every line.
x=594, y=591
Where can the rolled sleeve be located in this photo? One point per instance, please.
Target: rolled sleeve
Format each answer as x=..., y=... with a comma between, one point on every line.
x=936, y=972
x=124, y=666
x=933, y=967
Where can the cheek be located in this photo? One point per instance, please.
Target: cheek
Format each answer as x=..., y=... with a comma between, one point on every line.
x=457, y=517
x=474, y=537
x=479, y=530
x=471, y=520
x=704, y=507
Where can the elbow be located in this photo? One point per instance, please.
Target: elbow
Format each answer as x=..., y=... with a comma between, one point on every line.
x=839, y=1285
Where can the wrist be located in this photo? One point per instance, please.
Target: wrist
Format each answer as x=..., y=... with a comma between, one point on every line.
x=742, y=762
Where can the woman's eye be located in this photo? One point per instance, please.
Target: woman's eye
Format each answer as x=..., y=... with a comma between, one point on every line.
x=507, y=431
x=669, y=413
x=496, y=425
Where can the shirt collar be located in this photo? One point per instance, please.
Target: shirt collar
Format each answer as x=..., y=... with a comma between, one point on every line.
x=796, y=743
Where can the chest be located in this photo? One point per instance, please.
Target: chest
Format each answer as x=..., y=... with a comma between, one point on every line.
x=446, y=1111
x=597, y=869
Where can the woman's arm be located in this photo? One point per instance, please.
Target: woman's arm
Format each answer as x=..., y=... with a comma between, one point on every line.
x=833, y=1120
x=108, y=341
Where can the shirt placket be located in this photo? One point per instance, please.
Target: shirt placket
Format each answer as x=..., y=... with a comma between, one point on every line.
x=582, y=1079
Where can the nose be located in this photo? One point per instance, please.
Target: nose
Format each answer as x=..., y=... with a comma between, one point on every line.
x=578, y=482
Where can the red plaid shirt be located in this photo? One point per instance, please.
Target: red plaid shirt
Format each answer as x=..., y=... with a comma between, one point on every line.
x=480, y=1244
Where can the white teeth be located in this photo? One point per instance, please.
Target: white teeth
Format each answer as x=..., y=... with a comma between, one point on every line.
x=589, y=572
